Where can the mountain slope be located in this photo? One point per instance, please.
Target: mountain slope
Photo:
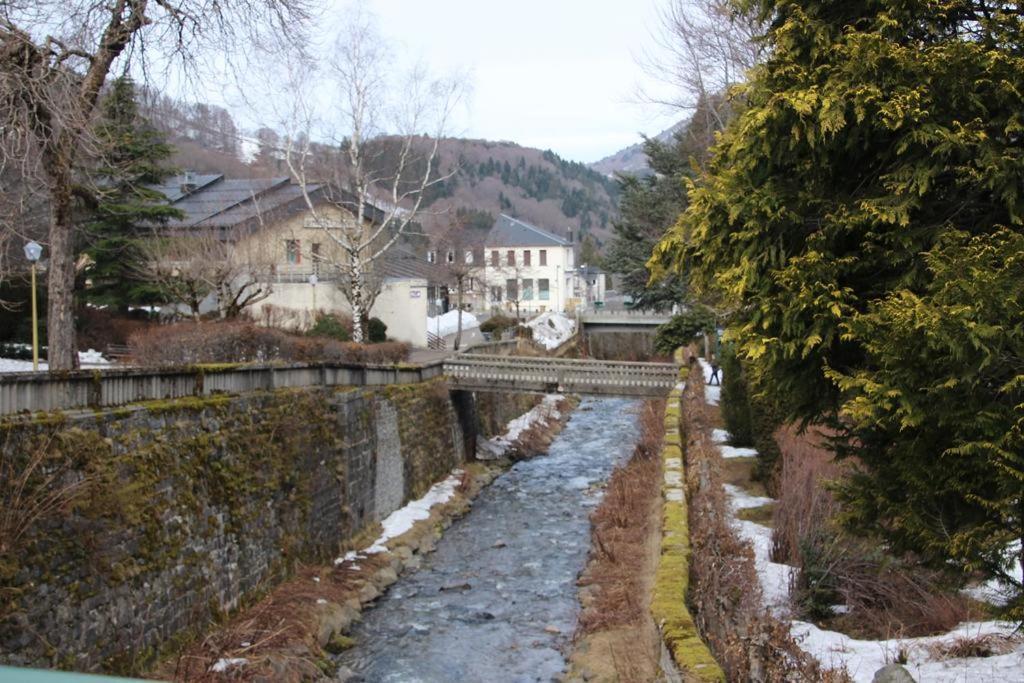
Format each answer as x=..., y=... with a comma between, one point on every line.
x=487, y=178
x=632, y=159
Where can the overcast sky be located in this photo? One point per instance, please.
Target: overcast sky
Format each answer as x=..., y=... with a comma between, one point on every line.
x=558, y=74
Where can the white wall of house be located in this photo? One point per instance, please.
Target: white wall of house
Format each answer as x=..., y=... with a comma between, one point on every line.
x=401, y=305
x=530, y=274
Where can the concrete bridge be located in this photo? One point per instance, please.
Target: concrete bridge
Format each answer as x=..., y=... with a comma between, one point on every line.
x=517, y=373
x=622, y=319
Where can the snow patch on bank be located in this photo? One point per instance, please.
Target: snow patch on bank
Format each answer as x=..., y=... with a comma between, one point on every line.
x=552, y=329
x=543, y=412
x=401, y=520
x=448, y=323
x=862, y=658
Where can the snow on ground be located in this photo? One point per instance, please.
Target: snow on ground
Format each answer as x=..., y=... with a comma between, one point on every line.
x=87, y=359
x=721, y=437
x=994, y=591
x=552, y=329
x=401, y=520
x=448, y=323
x=224, y=664
x=862, y=658
x=545, y=411
x=712, y=392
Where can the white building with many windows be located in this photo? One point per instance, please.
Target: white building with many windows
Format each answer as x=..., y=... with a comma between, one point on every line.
x=527, y=270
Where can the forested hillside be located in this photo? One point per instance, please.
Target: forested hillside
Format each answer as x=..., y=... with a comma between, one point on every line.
x=486, y=178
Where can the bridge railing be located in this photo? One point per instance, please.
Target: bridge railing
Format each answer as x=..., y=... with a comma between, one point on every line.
x=26, y=392
x=548, y=374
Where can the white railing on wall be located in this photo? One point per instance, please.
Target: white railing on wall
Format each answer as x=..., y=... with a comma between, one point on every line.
x=25, y=392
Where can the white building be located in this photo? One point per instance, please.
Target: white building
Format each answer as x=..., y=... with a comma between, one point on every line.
x=527, y=269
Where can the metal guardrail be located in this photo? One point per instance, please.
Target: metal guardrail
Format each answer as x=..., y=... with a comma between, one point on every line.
x=27, y=392
x=513, y=373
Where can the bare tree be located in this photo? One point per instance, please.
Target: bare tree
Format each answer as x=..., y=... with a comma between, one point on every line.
x=193, y=269
x=367, y=194
x=55, y=56
x=704, y=48
x=461, y=260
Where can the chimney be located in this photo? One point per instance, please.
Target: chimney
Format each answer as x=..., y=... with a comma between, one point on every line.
x=570, y=235
x=188, y=183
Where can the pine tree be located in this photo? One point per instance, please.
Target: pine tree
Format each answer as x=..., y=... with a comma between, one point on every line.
x=132, y=156
x=863, y=215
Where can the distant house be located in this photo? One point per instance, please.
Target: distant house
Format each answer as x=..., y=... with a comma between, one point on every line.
x=269, y=217
x=527, y=268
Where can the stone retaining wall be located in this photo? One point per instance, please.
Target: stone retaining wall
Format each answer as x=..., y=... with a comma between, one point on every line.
x=179, y=511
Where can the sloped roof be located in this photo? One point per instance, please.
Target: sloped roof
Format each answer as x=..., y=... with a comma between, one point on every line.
x=512, y=232
x=213, y=201
x=401, y=262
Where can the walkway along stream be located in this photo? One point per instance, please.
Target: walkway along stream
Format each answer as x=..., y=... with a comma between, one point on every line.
x=497, y=600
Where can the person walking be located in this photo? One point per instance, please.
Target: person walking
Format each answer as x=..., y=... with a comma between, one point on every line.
x=714, y=379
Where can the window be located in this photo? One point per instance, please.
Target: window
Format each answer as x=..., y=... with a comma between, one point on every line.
x=510, y=257
x=450, y=256
x=494, y=258
x=469, y=256
x=496, y=293
x=543, y=257
x=431, y=256
x=526, y=257
x=528, y=290
x=511, y=291
x=317, y=256
x=544, y=289
x=292, y=253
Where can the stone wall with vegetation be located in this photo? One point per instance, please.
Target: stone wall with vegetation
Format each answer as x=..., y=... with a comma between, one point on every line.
x=124, y=532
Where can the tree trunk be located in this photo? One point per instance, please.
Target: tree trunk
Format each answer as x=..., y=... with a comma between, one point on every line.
x=458, y=328
x=60, y=280
x=356, y=287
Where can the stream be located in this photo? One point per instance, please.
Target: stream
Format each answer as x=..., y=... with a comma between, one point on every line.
x=496, y=601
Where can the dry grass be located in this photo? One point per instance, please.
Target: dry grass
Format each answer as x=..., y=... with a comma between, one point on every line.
x=621, y=638
x=804, y=502
x=884, y=595
x=989, y=645
x=748, y=642
x=278, y=628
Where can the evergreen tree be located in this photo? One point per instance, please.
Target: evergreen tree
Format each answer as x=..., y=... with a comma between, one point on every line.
x=132, y=155
x=648, y=206
x=879, y=151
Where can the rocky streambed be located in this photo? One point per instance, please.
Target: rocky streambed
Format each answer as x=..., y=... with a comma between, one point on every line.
x=497, y=600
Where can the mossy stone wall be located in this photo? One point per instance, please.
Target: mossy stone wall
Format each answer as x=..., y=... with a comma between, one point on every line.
x=183, y=510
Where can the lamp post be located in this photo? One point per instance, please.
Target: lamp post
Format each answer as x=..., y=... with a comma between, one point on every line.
x=313, y=279
x=33, y=251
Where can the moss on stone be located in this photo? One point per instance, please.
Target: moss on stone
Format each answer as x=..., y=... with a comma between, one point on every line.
x=668, y=600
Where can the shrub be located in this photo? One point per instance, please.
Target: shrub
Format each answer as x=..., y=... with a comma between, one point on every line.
x=497, y=324
x=735, y=403
x=240, y=342
x=683, y=328
x=376, y=331
x=332, y=326
x=99, y=328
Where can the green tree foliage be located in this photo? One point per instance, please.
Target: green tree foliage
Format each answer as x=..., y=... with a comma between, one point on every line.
x=939, y=409
x=878, y=144
x=683, y=328
x=132, y=156
x=735, y=400
x=651, y=204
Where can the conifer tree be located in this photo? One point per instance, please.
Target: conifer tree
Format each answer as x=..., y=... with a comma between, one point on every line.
x=132, y=156
x=855, y=215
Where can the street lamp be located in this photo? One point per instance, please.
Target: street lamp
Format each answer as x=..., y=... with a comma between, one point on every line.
x=313, y=279
x=32, y=252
